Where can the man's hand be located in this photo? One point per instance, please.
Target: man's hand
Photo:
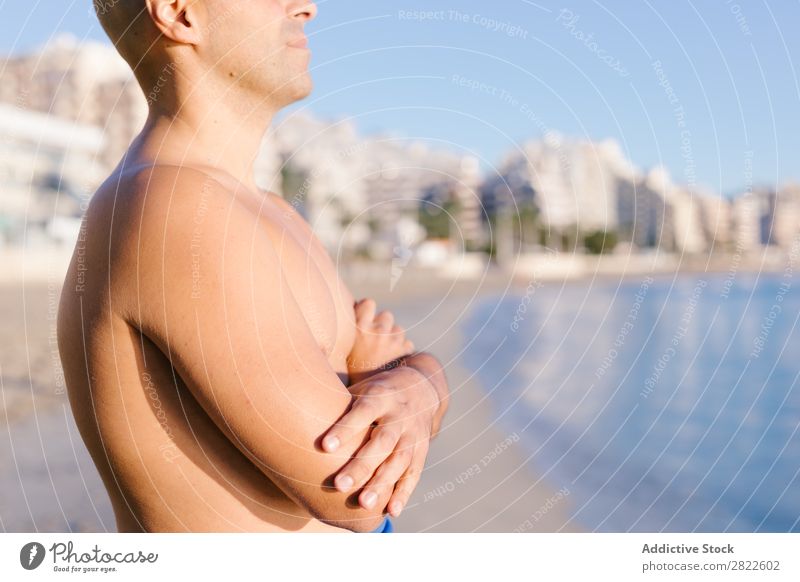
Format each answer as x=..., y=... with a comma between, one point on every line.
x=379, y=342
x=404, y=406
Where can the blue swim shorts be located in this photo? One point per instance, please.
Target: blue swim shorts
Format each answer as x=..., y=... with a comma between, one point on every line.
x=385, y=527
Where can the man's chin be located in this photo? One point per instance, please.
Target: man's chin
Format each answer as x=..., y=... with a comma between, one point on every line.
x=299, y=89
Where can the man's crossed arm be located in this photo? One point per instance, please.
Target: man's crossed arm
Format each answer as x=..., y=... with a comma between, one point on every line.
x=404, y=424
x=388, y=398
x=221, y=309
x=381, y=345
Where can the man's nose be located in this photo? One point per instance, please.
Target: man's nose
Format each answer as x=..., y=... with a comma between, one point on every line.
x=304, y=10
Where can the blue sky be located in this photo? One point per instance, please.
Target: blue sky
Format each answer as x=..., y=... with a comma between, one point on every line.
x=706, y=88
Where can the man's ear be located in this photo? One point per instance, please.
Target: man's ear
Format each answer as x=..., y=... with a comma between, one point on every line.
x=177, y=20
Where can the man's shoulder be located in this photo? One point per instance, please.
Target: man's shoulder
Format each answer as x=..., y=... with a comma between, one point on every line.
x=161, y=226
x=157, y=188
x=144, y=204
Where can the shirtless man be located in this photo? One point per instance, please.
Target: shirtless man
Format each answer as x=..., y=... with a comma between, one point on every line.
x=209, y=346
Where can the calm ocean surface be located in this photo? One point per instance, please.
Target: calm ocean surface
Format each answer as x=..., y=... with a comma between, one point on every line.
x=666, y=404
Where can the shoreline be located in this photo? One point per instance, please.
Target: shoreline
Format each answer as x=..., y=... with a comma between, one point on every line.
x=38, y=266
x=477, y=477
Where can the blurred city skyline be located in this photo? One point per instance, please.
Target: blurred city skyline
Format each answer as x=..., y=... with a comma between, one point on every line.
x=69, y=111
x=707, y=91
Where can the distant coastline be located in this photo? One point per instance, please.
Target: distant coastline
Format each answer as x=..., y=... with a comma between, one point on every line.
x=48, y=265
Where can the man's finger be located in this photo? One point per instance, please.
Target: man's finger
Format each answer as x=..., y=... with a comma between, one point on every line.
x=365, y=311
x=408, y=482
x=390, y=472
x=362, y=414
x=361, y=467
x=385, y=320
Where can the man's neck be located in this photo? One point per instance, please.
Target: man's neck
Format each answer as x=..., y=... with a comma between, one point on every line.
x=216, y=136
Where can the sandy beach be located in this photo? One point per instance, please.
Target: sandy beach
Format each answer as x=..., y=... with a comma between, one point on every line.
x=477, y=477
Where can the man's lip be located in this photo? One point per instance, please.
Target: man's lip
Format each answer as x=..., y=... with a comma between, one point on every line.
x=301, y=42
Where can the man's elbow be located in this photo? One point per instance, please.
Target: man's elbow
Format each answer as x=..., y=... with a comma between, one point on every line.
x=343, y=510
x=358, y=521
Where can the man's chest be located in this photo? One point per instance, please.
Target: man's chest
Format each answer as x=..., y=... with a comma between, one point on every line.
x=326, y=302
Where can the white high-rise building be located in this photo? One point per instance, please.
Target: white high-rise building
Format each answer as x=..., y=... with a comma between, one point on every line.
x=575, y=183
x=47, y=165
x=83, y=81
x=786, y=221
x=646, y=219
x=688, y=221
x=595, y=171
x=544, y=167
x=716, y=220
x=749, y=212
x=365, y=187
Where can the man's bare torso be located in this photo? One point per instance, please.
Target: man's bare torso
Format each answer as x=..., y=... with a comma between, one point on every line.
x=164, y=461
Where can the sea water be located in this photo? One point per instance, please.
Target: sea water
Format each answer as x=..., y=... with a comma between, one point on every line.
x=661, y=403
